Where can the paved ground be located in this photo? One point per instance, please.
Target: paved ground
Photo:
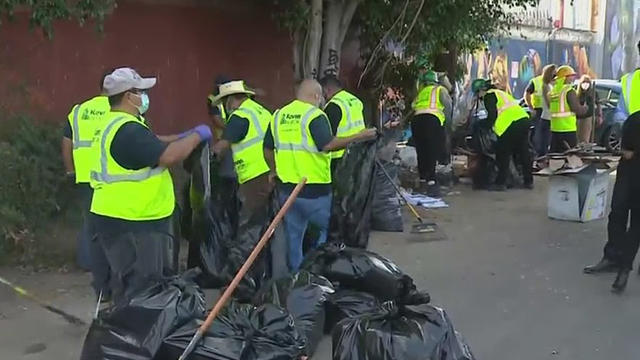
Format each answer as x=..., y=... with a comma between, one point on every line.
x=509, y=278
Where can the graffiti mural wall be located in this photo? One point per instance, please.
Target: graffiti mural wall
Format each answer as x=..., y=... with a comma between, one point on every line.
x=512, y=63
x=622, y=32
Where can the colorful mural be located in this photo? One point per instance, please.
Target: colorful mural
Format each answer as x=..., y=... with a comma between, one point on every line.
x=512, y=63
x=622, y=32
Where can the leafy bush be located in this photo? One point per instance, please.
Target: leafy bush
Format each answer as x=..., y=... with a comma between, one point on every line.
x=33, y=188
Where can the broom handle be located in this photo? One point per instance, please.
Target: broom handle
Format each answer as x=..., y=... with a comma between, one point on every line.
x=243, y=270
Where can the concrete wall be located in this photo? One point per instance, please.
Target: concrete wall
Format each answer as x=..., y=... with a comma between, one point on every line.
x=184, y=45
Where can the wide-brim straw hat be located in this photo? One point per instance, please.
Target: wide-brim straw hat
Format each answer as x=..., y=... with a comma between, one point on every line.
x=231, y=88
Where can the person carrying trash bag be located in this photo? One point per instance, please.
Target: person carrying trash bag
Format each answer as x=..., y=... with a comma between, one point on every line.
x=511, y=124
x=244, y=134
x=345, y=112
x=298, y=144
x=133, y=199
x=432, y=108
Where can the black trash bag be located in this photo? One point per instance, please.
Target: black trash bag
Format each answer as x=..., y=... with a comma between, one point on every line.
x=485, y=171
x=304, y=296
x=136, y=330
x=220, y=244
x=386, y=212
x=363, y=270
x=212, y=221
x=353, y=189
x=345, y=303
x=395, y=332
x=240, y=332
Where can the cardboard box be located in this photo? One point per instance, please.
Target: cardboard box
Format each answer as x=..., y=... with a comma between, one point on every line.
x=580, y=196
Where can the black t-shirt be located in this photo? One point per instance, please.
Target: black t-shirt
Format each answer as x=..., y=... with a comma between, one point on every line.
x=133, y=147
x=321, y=134
x=236, y=129
x=491, y=105
x=334, y=113
x=531, y=88
x=66, y=130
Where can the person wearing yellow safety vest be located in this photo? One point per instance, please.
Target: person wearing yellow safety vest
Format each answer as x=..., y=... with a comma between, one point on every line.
x=534, y=98
x=510, y=123
x=82, y=121
x=297, y=144
x=624, y=219
x=431, y=110
x=565, y=107
x=244, y=134
x=133, y=198
x=217, y=112
x=344, y=110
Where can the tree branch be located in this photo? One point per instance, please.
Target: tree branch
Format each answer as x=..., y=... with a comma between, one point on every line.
x=375, y=51
x=347, y=16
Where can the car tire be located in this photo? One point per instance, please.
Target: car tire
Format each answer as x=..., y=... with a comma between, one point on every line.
x=612, y=138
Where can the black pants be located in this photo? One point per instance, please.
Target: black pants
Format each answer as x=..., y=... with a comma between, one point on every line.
x=560, y=140
x=514, y=141
x=428, y=136
x=137, y=261
x=623, y=235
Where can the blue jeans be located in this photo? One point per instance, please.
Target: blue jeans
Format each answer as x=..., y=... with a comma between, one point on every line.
x=316, y=211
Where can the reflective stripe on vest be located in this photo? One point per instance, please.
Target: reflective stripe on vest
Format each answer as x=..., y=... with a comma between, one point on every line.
x=352, y=121
x=134, y=195
x=105, y=177
x=630, y=88
x=248, y=156
x=428, y=102
x=296, y=153
x=508, y=110
x=536, y=97
x=84, y=119
x=562, y=118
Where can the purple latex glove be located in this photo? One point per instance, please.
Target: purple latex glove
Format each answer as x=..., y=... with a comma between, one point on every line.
x=204, y=132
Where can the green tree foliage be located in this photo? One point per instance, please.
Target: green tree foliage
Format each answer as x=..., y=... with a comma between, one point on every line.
x=43, y=13
x=401, y=38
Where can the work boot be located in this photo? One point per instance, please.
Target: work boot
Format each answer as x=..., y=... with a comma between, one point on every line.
x=603, y=266
x=433, y=190
x=498, y=188
x=528, y=186
x=621, y=281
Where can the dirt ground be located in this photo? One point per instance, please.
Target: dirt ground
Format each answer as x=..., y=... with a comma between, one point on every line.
x=510, y=279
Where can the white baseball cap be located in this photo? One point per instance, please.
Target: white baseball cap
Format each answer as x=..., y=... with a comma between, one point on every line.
x=124, y=79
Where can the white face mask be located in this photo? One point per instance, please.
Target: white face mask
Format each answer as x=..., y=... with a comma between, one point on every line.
x=585, y=86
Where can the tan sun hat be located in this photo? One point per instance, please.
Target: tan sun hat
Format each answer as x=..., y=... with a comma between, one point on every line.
x=231, y=88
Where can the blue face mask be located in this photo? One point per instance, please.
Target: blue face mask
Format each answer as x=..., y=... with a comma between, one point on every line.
x=144, y=103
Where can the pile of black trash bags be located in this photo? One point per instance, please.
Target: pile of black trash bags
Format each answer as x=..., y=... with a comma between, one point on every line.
x=371, y=308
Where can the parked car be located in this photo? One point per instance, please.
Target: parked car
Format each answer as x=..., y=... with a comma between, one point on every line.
x=609, y=133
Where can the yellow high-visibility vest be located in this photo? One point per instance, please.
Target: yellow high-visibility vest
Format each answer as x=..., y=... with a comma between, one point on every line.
x=631, y=91
x=537, y=97
x=428, y=102
x=352, y=121
x=296, y=153
x=562, y=118
x=248, y=156
x=135, y=195
x=509, y=111
x=84, y=119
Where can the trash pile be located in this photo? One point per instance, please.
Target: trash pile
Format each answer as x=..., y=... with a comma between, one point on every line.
x=371, y=307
